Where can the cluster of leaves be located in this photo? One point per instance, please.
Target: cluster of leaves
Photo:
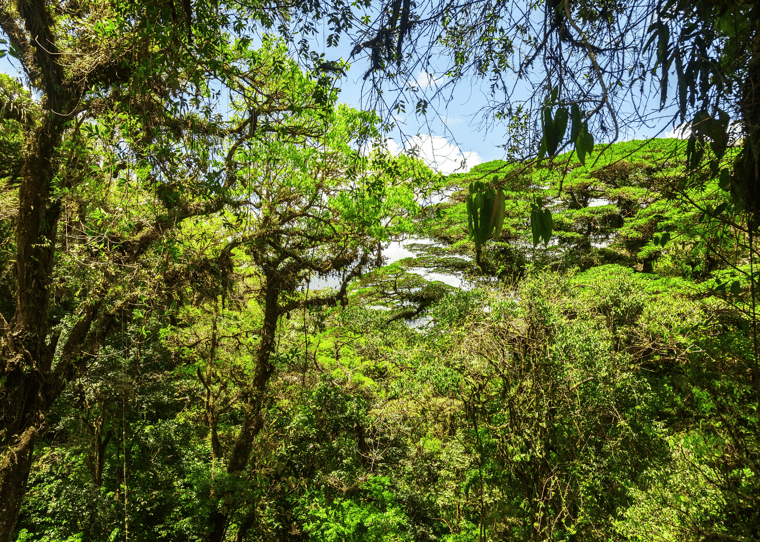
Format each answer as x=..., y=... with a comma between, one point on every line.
x=553, y=129
x=151, y=204
x=637, y=203
x=570, y=405
x=165, y=374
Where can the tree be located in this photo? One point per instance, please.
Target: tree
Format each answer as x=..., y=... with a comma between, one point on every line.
x=114, y=148
x=311, y=202
x=565, y=73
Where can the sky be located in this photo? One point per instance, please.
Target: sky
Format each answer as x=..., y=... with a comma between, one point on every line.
x=454, y=138
x=444, y=149
x=449, y=138
x=458, y=136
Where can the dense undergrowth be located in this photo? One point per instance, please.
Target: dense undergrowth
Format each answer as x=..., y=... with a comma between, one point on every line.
x=601, y=388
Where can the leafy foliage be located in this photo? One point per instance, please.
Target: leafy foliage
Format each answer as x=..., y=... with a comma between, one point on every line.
x=172, y=371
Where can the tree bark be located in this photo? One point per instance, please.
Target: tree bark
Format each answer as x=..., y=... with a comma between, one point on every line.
x=26, y=347
x=255, y=407
x=15, y=464
x=29, y=383
x=100, y=456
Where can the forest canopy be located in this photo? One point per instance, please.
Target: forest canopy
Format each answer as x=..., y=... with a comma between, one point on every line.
x=202, y=338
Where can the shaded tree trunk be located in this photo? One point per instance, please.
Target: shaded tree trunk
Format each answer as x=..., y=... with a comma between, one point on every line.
x=14, y=472
x=27, y=350
x=256, y=404
x=27, y=347
x=100, y=457
x=212, y=415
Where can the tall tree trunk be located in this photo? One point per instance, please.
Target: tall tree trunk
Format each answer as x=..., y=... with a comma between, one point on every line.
x=30, y=387
x=15, y=464
x=100, y=457
x=256, y=404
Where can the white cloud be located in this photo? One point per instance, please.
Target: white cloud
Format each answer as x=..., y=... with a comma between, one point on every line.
x=435, y=151
x=425, y=80
x=451, y=121
x=682, y=131
x=392, y=147
x=439, y=154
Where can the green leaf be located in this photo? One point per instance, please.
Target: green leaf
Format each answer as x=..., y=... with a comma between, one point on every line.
x=725, y=180
x=560, y=127
x=485, y=216
x=718, y=133
x=470, y=216
x=577, y=124
x=584, y=144
x=580, y=148
x=652, y=29
x=497, y=218
x=475, y=221
x=682, y=86
x=693, y=152
x=542, y=149
x=546, y=225
x=547, y=120
x=535, y=226
x=663, y=36
x=485, y=212
x=725, y=24
x=547, y=142
x=664, y=82
x=478, y=200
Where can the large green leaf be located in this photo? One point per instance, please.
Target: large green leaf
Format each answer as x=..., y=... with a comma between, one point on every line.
x=577, y=123
x=546, y=225
x=485, y=212
x=560, y=127
x=535, y=226
x=584, y=144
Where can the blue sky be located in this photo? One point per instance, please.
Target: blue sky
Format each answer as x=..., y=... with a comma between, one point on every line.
x=459, y=131
x=448, y=138
x=453, y=137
